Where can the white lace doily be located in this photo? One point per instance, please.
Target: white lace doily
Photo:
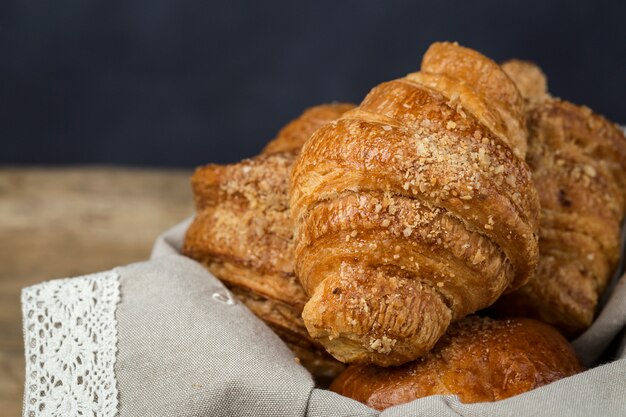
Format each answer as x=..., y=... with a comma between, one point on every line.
x=70, y=337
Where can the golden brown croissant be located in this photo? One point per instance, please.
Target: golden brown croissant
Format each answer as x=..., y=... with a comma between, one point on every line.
x=578, y=160
x=413, y=210
x=479, y=359
x=242, y=234
x=528, y=77
x=294, y=134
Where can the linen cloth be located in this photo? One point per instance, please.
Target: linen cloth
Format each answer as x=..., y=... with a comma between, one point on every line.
x=186, y=347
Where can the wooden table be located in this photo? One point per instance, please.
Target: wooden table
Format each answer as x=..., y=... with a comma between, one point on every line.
x=61, y=222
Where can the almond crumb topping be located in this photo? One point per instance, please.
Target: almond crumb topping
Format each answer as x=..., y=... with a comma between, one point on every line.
x=590, y=171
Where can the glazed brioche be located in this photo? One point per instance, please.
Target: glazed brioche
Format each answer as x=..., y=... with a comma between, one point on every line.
x=242, y=234
x=578, y=161
x=414, y=209
x=479, y=359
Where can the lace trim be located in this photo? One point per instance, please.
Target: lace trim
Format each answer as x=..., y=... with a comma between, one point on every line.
x=70, y=339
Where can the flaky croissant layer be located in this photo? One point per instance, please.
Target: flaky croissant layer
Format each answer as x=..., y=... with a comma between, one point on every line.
x=414, y=209
x=578, y=162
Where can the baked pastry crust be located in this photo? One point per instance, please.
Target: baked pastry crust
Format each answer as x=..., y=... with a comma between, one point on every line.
x=528, y=77
x=243, y=235
x=291, y=137
x=578, y=160
x=479, y=359
x=415, y=209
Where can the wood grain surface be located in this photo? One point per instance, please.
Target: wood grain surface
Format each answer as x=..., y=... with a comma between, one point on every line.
x=62, y=222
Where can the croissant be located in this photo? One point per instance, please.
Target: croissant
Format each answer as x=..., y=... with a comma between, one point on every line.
x=529, y=79
x=479, y=359
x=242, y=234
x=294, y=134
x=578, y=161
x=414, y=209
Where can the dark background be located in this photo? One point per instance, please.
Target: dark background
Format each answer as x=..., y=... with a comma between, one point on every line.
x=184, y=82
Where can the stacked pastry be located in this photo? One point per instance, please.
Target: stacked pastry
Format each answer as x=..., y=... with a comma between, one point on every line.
x=404, y=215
x=415, y=209
x=578, y=161
x=242, y=234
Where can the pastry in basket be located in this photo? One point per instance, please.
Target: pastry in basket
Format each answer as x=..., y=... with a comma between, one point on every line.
x=242, y=234
x=414, y=209
x=479, y=359
x=578, y=161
